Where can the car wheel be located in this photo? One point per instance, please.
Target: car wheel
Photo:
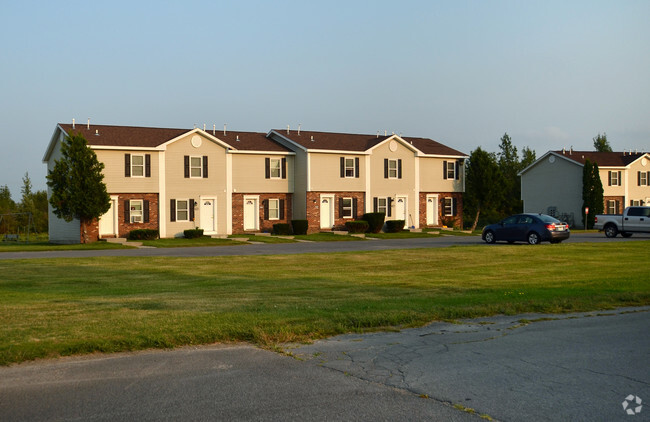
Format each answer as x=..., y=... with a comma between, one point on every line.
x=626, y=234
x=533, y=238
x=611, y=230
x=489, y=237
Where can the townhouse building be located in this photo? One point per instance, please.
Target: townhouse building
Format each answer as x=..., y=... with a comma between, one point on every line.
x=553, y=183
x=227, y=182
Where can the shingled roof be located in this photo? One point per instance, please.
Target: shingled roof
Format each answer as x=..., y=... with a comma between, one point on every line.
x=358, y=142
x=151, y=137
x=604, y=159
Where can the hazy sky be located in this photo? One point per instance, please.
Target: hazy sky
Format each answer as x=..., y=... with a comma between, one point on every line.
x=552, y=74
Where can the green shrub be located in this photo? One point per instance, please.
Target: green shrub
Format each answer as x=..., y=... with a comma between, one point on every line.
x=375, y=221
x=282, y=229
x=143, y=234
x=356, y=226
x=299, y=226
x=394, y=226
x=193, y=233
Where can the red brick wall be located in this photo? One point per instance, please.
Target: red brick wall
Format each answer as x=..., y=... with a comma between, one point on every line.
x=89, y=231
x=125, y=227
x=621, y=203
x=265, y=225
x=313, y=209
x=457, y=219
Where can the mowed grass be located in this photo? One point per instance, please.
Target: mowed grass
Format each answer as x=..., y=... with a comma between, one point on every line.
x=56, y=307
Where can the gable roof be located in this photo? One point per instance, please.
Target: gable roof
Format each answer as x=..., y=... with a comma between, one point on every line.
x=152, y=137
x=330, y=141
x=603, y=159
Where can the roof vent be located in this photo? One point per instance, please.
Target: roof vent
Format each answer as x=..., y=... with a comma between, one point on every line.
x=237, y=138
x=72, y=123
x=88, y=126
x=203, y=127
x=312, y=138
x=96, y=132
x=571, y=150
x=214, y=129
x=377, y=134
x=287, y=129
x=563, y=151
x=299, y=124
x=385, y=132
x=224, y=129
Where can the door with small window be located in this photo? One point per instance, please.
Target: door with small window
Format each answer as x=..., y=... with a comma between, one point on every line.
x=207, y=215
x=326, y=212
x=401, y=210
x=432, y=210
x=251, y=211
x=108, y=221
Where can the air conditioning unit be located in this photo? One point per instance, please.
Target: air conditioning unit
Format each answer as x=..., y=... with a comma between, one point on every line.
x=136, y=219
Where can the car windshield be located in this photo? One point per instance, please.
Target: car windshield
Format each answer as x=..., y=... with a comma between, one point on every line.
x=548, y=219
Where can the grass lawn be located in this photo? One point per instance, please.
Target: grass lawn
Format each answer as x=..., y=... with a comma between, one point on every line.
x=180, y=242
x=46, y=246
x=54, y=307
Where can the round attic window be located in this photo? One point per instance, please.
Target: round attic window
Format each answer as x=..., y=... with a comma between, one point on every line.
x=644, y=161
x=392, y=146
x=196, y=141
x=551, y=159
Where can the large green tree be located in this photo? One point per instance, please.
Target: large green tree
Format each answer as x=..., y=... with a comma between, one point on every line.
x=601, y=144
x=592, y=193
x=509, y=165
x=34, y=203
x=483, y=188
x=77, y=184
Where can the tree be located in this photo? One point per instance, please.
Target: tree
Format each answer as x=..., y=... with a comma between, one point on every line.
x=7, y=204
x=483, y=189
x=529, y=158
x=76, y=182
x=509, y=165
x=592, y=193
x=601, y=144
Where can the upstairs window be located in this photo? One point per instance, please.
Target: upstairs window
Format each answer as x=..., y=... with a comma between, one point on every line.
x=642, y=178
x=392, y=168
x=349, y=167
x=614, y=178
x=275, y=168
x=195, y=166
x=451, y=170
x=137, y=165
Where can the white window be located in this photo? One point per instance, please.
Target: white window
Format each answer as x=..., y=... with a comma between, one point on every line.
x=643, y=178
x=392, y=169
x=196, y=166
x=451, y=170
x=381, y=205
x=137, y=165
x=349, y=167
x=182, y=210
x=274, y=209
x=275, y=168
x=611, y=207
x=634, y=203
x=614, y=178
x=136, y=210
x=347, y=207
x=449, y=206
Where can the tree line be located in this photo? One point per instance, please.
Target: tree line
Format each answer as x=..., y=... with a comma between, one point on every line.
x=15, y=215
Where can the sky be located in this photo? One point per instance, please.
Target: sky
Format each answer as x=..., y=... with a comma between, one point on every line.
x=552, y=74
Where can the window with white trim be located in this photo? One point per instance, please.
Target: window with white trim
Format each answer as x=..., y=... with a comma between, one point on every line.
x=635, y=203
x=347, y=207
x=349, y=167
x=274, y=209
x=611, y=206
x=196, y=166
x=182, y=210
x=643, y=178
x=137, y=165
x=392, y=169
x=449, y=206
x=451, y=169
x=275, y=168
x=381, y=205
x=136, y=209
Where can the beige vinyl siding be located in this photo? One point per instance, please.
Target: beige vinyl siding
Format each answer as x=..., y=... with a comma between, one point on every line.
x=382, y=187
x=634, y=191
x=614, y=190
x=557, y=184
x=326, y=173
x=431, y=176
x=179, y=187
x=114, y=172
x=249, y=174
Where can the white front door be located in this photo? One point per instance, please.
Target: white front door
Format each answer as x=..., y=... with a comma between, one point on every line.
x=400, y=209
x=251, y=210
x=326, y=212
x=432, y=210
x=108, y=221
x=208, y=215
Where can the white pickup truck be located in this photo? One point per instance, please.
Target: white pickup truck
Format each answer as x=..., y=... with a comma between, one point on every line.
x=633, y=220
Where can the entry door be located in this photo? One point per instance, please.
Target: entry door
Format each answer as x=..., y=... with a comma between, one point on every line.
x=250, y=214
x=432, y=210
x=107, y=222
x=207, y=210
x=401, y=209
x=326, y=212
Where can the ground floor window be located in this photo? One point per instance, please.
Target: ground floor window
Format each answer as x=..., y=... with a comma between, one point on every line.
x=381, y=205
x=346, y=207
x=274, y=209
x=136, y=208
x=449, y=206
x=611, y=206
x=182, y=210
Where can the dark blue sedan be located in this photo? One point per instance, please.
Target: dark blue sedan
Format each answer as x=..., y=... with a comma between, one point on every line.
x=531, y=228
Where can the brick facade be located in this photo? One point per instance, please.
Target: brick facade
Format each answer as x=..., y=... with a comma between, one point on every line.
x=313, y=209
x=125, y=227
x=264, y=224
x=451, y=221
x=620, y=203
x=89, y=231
